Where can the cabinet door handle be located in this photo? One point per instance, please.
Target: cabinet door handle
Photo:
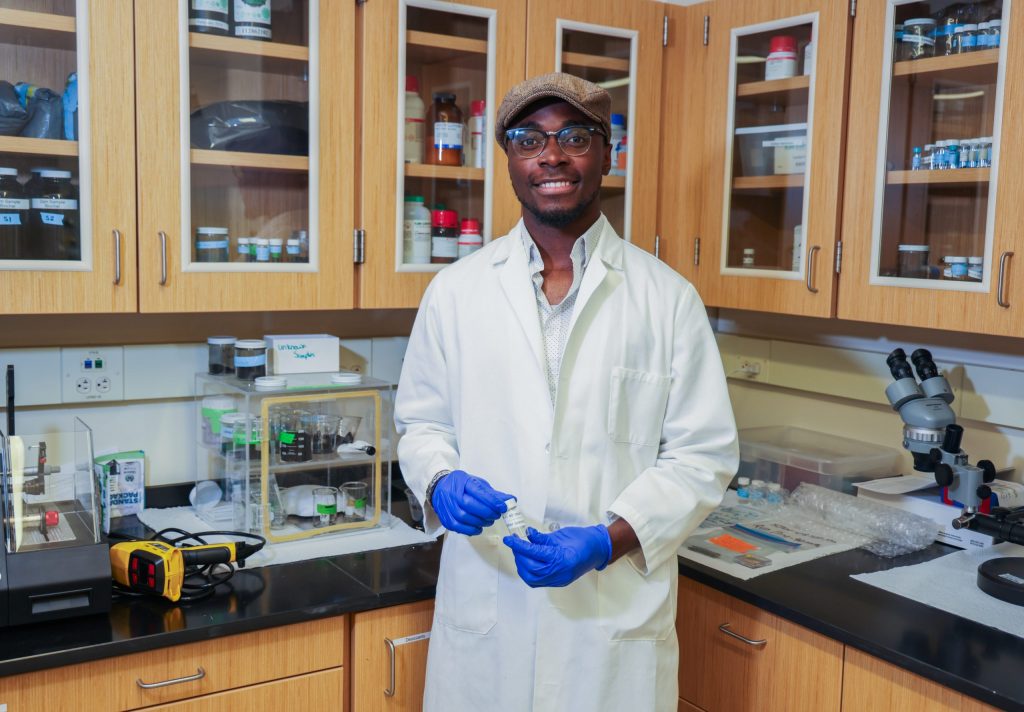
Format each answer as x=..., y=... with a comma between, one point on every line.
x=657, y=246
x=811, y=262
x=753, y=643
x=163, y=257
x=117, y=257
x=390, y=692
x=200, y=674
x=1000, y=291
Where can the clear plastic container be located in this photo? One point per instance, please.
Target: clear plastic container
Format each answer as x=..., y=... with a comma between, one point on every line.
x=756, y=147
x=913, y=262
x=790, y=455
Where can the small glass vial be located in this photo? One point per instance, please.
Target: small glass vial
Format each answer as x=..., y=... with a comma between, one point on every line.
x=975, y=269
x=915, y=159
x=774, y=495
x=743, y=487
x=250, y=359
x=291, y=251
x=303, y=237
x=212, y=244
x=514, y=520
x=927, y=156
x=222, y=354
x=758, y=490
x=276, y=249
x=913, y=261
x=748, y=257
x=242, y=250
x=262, y=250
x=952, y=153
x=955, y=269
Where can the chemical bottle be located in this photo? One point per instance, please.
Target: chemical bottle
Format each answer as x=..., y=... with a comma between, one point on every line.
x=470, y=239
x=444, y=236
x=618, y=133
x=445, y=131
x=251, y=20
x=209, y=16
x=13, y=216
x=415, y=117
x=781, y=61
x=416, y=231
x=477, y=128
x=743, y=487
x=53, y=217
x=622, y=156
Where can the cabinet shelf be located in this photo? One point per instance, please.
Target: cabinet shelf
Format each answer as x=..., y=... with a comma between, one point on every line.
x=595, y=61
x=37, y=29
x=240, y=159
x=426, y=170
x=758, y=182
x=38, y=146
x=772, y=89
x=985, y=60
x=952, y=176
x=433, y=48
x=274, y=57
x=613, y=182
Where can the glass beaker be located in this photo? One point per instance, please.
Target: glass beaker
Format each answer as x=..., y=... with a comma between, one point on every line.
x=323, y=432
x=325, y=499
x=354, y=497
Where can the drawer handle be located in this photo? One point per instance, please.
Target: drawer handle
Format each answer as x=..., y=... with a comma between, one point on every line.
x=390, y=692
x=163, y=257
x=811, y=263
x=200, y=674
x=753, y=643
x=1000, y=290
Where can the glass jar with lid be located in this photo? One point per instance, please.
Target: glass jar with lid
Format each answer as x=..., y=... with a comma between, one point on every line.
x=222, y=354
x=212, y=244
x=250, y=359
x=913, y=261
x=54, y=217
x=918, y=38
x=954, y=268
x=447, y=131
x=13, y=216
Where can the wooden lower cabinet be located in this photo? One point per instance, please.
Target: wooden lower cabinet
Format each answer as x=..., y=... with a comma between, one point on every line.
x=780, y=666
x=373, y=659
x=322, y=691
x=199, y=670
x=873, y=685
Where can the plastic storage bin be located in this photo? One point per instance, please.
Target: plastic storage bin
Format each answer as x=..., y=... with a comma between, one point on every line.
x=793, y=455
x=771, y=150
x=279, y=442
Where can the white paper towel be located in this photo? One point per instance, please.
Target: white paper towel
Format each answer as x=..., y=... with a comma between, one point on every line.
x=392, y=532
x=949, y=583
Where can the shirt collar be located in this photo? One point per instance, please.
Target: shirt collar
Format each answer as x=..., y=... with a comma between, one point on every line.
x=582, y=249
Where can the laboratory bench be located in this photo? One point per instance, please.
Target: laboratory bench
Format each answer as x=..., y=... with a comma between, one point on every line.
x=819, y=597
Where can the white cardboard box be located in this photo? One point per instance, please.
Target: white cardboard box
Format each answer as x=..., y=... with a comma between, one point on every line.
x=302, y=353
x=927, y=504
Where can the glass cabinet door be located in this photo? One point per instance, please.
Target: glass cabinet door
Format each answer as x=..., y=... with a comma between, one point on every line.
x=434, y=180
x=938, y=145
x=245, y=205
x=773, y=98
x=607, y=57
x=56, y=123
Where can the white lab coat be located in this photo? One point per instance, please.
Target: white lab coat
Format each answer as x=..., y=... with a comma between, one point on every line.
x=642, y=429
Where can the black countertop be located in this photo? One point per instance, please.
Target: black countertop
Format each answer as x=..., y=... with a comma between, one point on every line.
x=971, y=658
x=979, y=661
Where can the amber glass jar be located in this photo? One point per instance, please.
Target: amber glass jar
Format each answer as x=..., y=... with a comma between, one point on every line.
x=446, y=128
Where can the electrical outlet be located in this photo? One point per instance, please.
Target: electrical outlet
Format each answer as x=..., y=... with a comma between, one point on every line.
x=92, y=374
x=750, y=368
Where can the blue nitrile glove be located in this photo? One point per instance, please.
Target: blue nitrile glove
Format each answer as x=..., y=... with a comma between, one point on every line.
x=559, y=558
x=466, y=504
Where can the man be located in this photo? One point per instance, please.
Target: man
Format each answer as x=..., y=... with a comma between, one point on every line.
x=575, y=372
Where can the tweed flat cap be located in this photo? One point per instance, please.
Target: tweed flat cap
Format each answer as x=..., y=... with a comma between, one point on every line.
x=589, y=98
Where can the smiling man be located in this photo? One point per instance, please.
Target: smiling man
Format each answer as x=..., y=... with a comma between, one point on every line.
x=569, y=370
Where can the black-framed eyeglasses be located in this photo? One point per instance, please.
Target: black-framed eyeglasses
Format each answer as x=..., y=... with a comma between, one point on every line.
x=530, y=143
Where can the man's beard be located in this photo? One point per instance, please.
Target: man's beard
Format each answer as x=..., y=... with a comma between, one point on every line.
x=559, y=218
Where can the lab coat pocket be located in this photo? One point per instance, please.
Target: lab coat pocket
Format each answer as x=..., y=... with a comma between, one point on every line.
x=636, y=406
x=632, y=606
x=467, y=590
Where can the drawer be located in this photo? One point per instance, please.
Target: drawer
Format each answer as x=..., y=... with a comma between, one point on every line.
x=226, y=663
x=316, y=692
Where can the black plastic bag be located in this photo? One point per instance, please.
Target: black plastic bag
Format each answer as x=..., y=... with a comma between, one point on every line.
x=256, y=126
x=13, y=116
x=45, y=111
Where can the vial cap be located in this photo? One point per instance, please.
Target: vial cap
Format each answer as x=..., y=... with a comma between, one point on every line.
x=510, y=502
x=476, y=107
x=276, y=241
x=211, y=231
x=748, y=250
x=243, y=241
x=618, y=120
x=261, y=241
x=412, y=84
x=221, y=340
x=782, y=43
x=470, y=225
x=975, y=260
x=251, y=344
x=8, y=171
x=919, y=21
x=743, y=481
x=346, y=377
x=444, y=218
x=270, y=383
x=48, y=173
x=913, y=248
x=414, y=198
x=293, y=243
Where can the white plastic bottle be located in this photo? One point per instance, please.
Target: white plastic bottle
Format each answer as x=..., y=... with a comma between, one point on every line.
x=415, y=120
x=781, y=61
x=477, y=128
x=618, y=133
x=470, y=239
x=416, y=234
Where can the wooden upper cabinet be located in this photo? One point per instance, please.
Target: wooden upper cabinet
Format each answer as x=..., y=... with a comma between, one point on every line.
x=772, y=152
x=618, y=46
x=928, y=242
x=412, y=51
x=67, y=199
x=205, y=182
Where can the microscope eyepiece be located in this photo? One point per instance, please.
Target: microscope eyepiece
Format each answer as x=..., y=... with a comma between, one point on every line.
x=898, y=366
x=924, y=364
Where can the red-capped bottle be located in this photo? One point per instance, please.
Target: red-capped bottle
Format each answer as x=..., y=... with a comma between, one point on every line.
x=470, y=239
x=444, y=236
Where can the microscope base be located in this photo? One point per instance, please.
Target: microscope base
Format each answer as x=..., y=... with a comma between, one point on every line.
x=1003, y=579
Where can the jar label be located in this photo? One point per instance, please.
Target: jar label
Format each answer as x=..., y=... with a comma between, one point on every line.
x=262, y=253
x=447, y=135
x=919, y=40
x=958, y=269
x=13, y=203
x=258, y=32
x=52, y=219
x=203, y=22
x=54, y=204
x=293, y=249
x=210, y=6
x=275, y=250
x=327, y=509
x=968, y=40
x=212, y=245
x=10, y=218
x=251, y=11
x=445, y=247
x=249, y=361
